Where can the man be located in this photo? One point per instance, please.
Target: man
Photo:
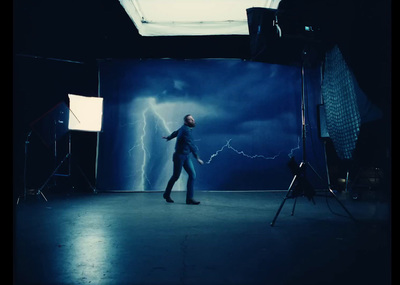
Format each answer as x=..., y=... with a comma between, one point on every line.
x=181, y=158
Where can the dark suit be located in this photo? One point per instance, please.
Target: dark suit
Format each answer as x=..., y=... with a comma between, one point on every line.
x=181, y=158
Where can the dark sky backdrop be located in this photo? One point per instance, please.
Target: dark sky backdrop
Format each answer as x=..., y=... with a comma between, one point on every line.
x=253, y=106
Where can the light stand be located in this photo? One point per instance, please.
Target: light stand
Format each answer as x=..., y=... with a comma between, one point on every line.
x=68, y=156
x=25, y=168
x=54, y=173
x=300, y=171
x=58, y=115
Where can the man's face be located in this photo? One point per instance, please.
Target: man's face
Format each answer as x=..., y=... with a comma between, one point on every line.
x=190, y=122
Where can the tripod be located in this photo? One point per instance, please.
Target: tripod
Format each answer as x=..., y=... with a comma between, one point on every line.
x=67, y=157
x=299, y=178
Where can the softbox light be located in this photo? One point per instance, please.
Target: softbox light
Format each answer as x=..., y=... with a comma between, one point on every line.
x=85, y=113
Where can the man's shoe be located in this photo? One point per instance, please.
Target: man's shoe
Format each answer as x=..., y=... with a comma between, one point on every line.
x=192, y=202
x=168, y=199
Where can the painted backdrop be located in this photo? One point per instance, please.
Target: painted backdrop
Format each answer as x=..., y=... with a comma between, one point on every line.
x=248, y=117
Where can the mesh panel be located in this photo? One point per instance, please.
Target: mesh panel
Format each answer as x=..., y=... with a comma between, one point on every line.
x=342, y=116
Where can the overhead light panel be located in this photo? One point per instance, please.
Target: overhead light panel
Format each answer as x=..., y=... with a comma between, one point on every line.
x=192, y=17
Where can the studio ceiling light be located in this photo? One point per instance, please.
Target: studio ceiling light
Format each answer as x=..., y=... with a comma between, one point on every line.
x=192, y=17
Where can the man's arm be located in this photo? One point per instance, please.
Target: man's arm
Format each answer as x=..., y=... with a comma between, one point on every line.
x=193, y=148
x=171, y=136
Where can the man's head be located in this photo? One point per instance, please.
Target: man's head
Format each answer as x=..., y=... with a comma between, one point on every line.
x=189, y=121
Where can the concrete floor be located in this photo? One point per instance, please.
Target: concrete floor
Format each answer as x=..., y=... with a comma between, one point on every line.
x=137, y=238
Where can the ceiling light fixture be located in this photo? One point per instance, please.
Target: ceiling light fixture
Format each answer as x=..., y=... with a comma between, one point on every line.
x=192, y=17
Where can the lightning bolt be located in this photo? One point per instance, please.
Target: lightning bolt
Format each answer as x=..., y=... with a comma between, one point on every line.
x=142, y=143
x=240, y=152
x=218, y=151
x=290, y=154
x=150, y=109
x=229, y=146
x=152, y=105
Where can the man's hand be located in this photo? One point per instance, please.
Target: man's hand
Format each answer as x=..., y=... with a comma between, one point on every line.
x=166, y=138
x=200, y=161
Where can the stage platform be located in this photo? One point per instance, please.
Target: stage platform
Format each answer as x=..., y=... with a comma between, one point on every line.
x=138, y=238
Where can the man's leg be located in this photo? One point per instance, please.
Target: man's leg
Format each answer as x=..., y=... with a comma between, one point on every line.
x=175, y=176
x=188, y=166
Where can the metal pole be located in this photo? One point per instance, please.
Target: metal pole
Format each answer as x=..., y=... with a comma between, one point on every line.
x=303, y=113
